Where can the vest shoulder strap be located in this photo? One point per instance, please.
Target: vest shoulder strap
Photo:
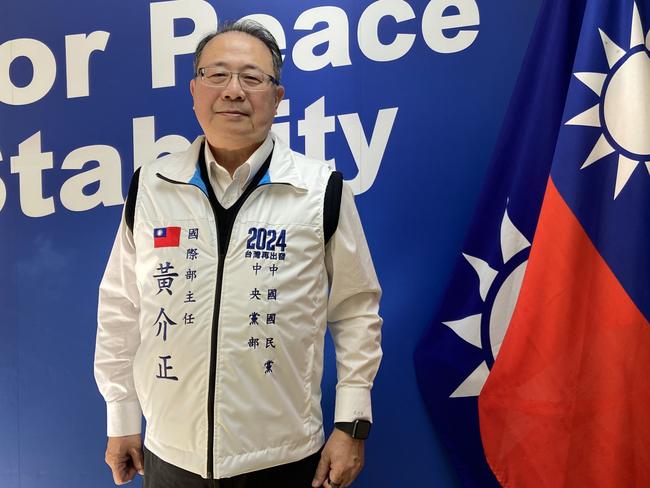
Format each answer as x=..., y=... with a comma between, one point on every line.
x=332, y=204
x=129, y=206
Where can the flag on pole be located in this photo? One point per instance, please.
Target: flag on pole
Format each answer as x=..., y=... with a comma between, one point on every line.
x=566, y=404
x=454, y=357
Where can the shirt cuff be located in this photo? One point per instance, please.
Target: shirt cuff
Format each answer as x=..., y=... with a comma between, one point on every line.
x=352, y=403
x=123, y=418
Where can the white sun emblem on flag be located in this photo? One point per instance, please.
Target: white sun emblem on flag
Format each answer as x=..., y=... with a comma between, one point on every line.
x=623, y=108
x=498, y=290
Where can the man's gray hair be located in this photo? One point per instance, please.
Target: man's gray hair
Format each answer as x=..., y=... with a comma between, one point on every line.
x=252, y=28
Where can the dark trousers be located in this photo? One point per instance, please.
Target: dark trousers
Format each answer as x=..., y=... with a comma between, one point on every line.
x=299, y=474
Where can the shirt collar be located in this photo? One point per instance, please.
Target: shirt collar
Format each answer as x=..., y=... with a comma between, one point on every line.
x=246, y=171
x=182, y=166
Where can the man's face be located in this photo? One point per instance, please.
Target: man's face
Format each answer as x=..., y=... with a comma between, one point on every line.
x=230, y=117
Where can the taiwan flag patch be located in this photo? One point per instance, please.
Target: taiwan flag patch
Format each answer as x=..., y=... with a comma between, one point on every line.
x=166, y=237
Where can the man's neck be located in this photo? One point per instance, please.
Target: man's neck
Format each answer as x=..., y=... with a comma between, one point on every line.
x=231, y=159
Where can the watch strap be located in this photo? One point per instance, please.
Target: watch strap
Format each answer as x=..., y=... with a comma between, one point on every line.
x=359, y=429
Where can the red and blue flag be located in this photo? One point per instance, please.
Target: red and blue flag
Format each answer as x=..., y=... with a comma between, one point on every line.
x=566, y=403
x=563, y=390
x=166, y=236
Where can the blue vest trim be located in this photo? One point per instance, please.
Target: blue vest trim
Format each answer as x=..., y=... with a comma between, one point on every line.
x=266, y=179
x=198, y=181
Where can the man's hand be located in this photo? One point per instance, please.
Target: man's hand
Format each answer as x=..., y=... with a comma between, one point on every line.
x=340, y=462
x=124, y=457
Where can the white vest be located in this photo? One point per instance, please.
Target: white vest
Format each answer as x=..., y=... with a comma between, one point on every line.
x=236, y=374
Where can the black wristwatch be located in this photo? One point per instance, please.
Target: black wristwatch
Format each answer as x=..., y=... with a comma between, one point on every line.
x=359, y=429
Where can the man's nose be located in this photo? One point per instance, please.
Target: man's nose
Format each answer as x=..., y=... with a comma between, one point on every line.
x=233, y=90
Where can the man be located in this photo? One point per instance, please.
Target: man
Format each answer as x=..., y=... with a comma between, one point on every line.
x=230, y=259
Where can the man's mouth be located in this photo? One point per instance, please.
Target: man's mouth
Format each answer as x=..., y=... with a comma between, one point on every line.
x=231, y=112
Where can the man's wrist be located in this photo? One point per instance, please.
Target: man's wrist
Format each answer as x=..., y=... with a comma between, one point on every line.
x=358, y=429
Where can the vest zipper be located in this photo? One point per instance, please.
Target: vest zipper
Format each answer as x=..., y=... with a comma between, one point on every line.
x=215, y=322
x=215, y=315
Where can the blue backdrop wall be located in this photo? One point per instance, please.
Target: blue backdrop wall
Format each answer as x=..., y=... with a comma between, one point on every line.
x=405, y=98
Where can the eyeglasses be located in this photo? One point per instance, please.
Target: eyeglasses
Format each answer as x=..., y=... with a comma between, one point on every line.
x=250, y=80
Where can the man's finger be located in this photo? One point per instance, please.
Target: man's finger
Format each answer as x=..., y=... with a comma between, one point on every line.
x=124, y=482
x=116, y=467
x=120, y=474
x=321, y=471
x=335, y=478
x=330, y=483
x=137, y=459
x=125, y=473
x=122, y=469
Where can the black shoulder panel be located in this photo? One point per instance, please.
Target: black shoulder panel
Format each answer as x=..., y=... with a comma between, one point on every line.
x=129, y=210
x=332, y=204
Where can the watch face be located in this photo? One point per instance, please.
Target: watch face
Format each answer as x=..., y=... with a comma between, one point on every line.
x=361, y=429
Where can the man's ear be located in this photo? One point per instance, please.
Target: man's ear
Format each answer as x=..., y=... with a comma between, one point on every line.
x=279, y=95
x=192, y=86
